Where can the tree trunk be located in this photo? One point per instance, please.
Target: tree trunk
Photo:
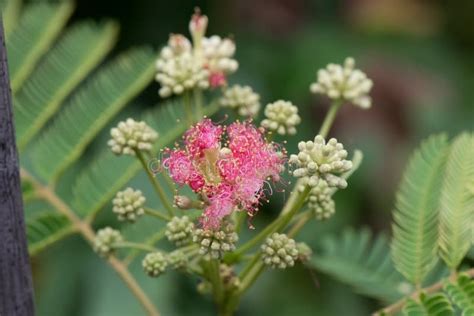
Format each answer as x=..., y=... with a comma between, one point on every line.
x=16, y=290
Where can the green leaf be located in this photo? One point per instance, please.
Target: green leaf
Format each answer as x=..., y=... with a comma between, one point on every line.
x=415, y=228
x=45, y=229
x=457, y=202
x=39, y=25
x=462, y=293
x=89, y=110
x=63, y=68
x=354, y=259
x=10, y=14
x=107, y=174
x=435, y=305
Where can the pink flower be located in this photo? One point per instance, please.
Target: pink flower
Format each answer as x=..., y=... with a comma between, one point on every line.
x=229, y=176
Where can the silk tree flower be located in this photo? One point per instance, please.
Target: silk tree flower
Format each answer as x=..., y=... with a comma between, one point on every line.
x=204, y=63
x=227, y=166
x=344, y=83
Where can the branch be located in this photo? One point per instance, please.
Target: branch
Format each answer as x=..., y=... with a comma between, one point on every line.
x=86, y=231
x=397, y=306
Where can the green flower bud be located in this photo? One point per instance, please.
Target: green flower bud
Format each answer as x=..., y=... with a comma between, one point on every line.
x=128, y=204
x=321, y=202
x=279, y=251
x=177, y=260
x=304, y=252
x=179, y=230
x=213, y=244
x=154, y=264
x=229, y=277
x=105, y=240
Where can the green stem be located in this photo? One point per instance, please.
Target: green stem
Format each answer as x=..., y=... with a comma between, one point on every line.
x=157, y=214
x=150, y=242
x=216, y=280
x=188, y=108
x=199, y=103
x=159, y=190
x=134, y=245
x=329, y=119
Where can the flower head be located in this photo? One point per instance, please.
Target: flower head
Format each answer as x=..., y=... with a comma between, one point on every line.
x=214, y=243
x=227, y=166
x=282, y=117
x=204, y=63
x=241, y=98
x=321, y=202
x=128, y=204
x=131, y=135
x=279, y=251
x=155, y=263
x=320, y=161
x=105, y=240
x=179, y=230
x=344, y=83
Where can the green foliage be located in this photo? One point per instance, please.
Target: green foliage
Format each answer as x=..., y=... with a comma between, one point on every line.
x=462, y=293
x=78, y=51
x=90, y=109
x=415, y=228
x=434, y=305
x=354, y=259
x=39, y=25
x=45, y=229
x=457, y=202
x=10, y=10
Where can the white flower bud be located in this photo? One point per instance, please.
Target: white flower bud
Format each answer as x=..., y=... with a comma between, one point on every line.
x=128, y=204
x=130, y=135
x=282, y=117
x=241, y=98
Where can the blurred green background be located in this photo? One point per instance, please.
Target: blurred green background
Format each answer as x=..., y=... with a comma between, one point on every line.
x=419, y=55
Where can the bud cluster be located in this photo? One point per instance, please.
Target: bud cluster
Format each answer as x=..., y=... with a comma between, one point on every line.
x=281, y=117
x=155, y=263
x=179, y=230
x=213, y=244
x=279, y=251
x=320, y=200
x=131, y=135
x=318, y=160
x=241, y=98
x=344, y=83
x=105, y=240
x=128, y=204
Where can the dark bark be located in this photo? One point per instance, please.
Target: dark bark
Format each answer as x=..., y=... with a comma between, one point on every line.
x=16, y=290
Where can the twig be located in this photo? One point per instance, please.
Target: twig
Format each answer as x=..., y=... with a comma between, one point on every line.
x=86, y=230
x=397, y=306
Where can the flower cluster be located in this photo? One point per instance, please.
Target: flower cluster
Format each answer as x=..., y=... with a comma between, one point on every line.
x=128, y=204
x=179, y=230
x=228, y=176
x=279, y=251
x=214, y=243
x=241, y=98
x=282, y=117
x=105, y=240
x=318, y=160
x=204, y=63
x=344, y=83
x=320, y=201
x=155, y=263
x=131, y=135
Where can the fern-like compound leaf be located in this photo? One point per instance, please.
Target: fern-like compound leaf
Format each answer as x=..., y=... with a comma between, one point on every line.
x=457, y=202
x=77, y=52
x=45, y=229
x=39, y=25
x=462, y=294
x=89, y=110
x=437, y=304
x=415, y=228
x=10, y=10
x=354, y=259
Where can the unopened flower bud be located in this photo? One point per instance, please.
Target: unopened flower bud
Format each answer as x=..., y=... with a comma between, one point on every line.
x=304, y=252
x=177, y=259
x=154, y=264
x=179, y=230
x=344, y=83
x=131, y=135
x=213, y=244
x=105, y=240
x=128, y=204
x=281, y=117
x=279, y=251
x=241, y=98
